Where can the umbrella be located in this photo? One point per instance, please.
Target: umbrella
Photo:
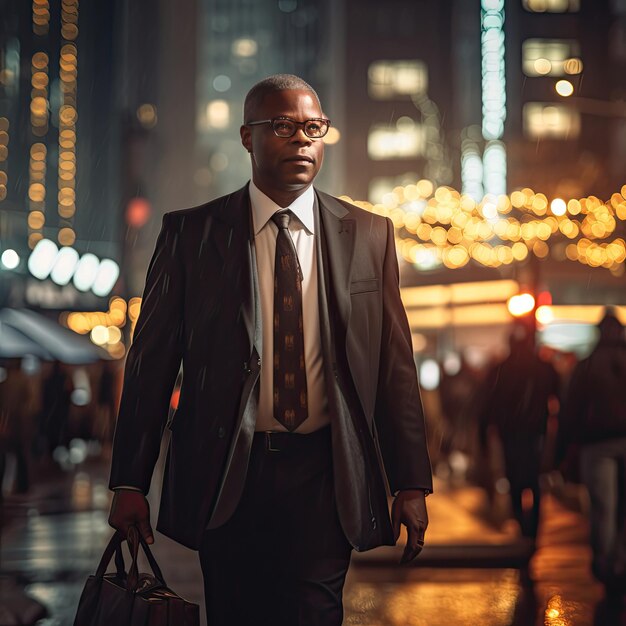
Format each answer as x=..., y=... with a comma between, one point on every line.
x=61, y=343
x=14, y=345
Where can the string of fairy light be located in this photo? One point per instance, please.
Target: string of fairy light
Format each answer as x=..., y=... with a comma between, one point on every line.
x=439, y=226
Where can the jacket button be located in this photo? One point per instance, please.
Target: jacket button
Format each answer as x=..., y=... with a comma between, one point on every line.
x=221, y=431
x=259, y=362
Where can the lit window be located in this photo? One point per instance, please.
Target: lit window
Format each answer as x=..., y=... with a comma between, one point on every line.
x=389, y=79
x=551, y=57
x=543, y=120
x=400, y=142
x=218, y=114
x=552, y=6
x=245, y=47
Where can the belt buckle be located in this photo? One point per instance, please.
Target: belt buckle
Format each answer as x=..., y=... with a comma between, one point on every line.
x=268, y=442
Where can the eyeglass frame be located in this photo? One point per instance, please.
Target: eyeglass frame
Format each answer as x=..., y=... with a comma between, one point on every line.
x=289, y=119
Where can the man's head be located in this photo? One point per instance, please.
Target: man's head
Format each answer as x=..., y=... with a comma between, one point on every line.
x=283, y=166
x=611, y=329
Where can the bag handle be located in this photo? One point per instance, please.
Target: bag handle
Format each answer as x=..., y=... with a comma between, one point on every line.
x=114, y=546
x=134, y=539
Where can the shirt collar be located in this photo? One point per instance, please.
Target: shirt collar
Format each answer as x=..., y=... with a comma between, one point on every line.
x=264, y=207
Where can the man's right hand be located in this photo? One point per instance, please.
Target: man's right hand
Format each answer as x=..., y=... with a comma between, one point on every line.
x=130, y=508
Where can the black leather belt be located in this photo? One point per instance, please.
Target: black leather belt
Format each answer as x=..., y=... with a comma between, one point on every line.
x=287, y=442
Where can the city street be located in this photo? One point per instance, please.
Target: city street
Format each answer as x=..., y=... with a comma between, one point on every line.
x=467, y=574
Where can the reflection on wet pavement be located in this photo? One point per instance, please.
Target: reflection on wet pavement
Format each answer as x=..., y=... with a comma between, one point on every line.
x=54, y=539
x=488, y=600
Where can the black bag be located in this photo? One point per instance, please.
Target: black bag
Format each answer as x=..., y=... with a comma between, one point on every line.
x=132, y=599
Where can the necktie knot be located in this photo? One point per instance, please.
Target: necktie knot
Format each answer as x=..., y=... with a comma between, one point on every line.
x=282, y=219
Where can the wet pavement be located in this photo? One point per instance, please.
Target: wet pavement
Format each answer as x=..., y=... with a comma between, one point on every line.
x=471, y=572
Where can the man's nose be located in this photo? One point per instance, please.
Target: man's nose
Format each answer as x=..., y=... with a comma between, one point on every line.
x=300, y=136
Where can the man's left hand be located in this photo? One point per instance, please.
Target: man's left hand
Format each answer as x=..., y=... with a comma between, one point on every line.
x=409, y=508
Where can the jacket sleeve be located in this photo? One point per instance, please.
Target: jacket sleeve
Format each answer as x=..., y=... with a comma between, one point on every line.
x=399, y=415
x=152, y=364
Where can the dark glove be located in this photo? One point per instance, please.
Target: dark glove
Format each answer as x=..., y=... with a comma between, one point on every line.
x=130, y=508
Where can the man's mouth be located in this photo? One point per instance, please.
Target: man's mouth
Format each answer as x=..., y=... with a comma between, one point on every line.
x=300, y=159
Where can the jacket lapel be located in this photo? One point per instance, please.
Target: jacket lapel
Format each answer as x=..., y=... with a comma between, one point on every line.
x=339, y=232
x=233, y=238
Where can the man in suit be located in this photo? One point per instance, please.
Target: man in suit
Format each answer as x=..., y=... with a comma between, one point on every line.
x=299, y=408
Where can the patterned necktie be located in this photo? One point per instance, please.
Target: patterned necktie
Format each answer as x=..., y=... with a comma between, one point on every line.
x=290, y=390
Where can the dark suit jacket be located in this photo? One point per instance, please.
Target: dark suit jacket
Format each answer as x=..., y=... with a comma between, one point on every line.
x=199, y=306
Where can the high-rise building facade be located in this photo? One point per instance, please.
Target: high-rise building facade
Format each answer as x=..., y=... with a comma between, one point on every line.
x=58, y=148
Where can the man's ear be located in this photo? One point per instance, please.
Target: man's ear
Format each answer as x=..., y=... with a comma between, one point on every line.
x=246, y=138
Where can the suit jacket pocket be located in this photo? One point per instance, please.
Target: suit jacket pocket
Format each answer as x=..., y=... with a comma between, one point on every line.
x=363, y=286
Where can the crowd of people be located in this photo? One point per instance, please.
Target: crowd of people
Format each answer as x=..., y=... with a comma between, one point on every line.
x=539, y=421
x=43, y=407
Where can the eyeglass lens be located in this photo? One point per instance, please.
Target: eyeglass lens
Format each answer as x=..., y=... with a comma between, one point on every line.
x=288, y=128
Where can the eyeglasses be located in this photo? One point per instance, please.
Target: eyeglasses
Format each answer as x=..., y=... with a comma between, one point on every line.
x=285, y=127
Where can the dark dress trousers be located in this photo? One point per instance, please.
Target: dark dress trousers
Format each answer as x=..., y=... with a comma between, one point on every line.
x=201, y=307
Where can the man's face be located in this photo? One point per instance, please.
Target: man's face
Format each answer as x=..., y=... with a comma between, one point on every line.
x=284, y=165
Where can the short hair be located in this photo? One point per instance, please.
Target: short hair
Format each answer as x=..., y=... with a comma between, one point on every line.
x=276, y=82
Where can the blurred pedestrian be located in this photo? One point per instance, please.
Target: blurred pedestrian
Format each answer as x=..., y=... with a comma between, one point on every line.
x=299, y=396
x=517, y=398
x=457, y=392
x=15, y=424
x=56, y=401
x=593, y=418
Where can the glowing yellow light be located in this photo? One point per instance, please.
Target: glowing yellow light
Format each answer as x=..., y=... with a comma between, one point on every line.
x=573, y=66
x=542, y=66
x=147, y=115
x=518, y=199
x=39, y=80
x=490, y=210
x=544, y=315
x=100, y=335
x=40, y=60
x=540, y=204
x=520, y=304
x=39, y=106
x=37, y=192
x=541, y=249
x=564, y=88
x=439, y=235
x=244, y=47
x=66, y=237
x=134, y=307
x=543, y=231
x=36, y=220
x=558, y=206
x=425, y=188
x=68, y=115
x=115, y=335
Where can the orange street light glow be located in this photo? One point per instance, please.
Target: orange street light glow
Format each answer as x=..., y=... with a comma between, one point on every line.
x=521, y=304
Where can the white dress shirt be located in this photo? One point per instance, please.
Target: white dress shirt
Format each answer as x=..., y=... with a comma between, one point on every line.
x=302, y=230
